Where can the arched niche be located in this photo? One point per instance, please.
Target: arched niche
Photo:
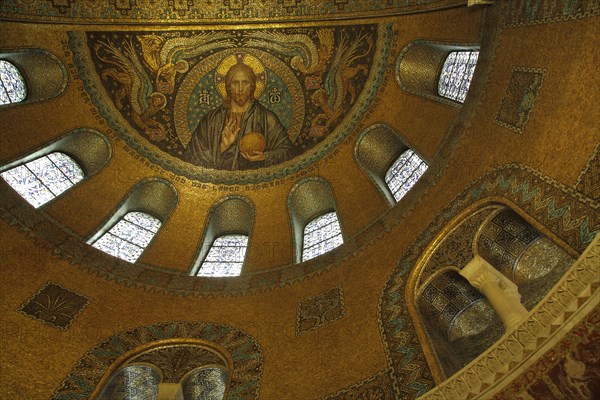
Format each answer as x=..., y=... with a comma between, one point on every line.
x=376, y=151
x=456, y=320
x=88, y=147
x=308, y=199
x=52, y=170
x=230, y=215
x=420, y=64
x=44, y=74
x=155, y=197
x=175, y=355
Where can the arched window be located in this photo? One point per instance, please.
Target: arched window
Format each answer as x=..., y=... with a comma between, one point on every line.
x=388, y=161
x=131, y=228
x=404, y=173
x=128, y=238
x=30, y=75
x=12, y=84
x=321, y=235
x=436, y=70
x=225, y=257
x=44, y=178
x=456, y=75
x=225, y=242
x=315, y=225
x=44, y=174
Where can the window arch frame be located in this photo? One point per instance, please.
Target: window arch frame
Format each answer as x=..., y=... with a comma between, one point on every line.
x=220, y=221
x=88, y=148
x=137, y=200
x=44, y=74
x=427, y=57
x=376, y=150
x=308, y=199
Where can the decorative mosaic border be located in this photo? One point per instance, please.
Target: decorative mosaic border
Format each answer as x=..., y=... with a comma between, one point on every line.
x=513, y=128
x=377, y=387
x=560, y=209
x=200, y=12
x=588, y=181
x=81, y=57
x=541, y=370
x=55, y=306
x=517, y=13
x=493, y=368
x=244, y=351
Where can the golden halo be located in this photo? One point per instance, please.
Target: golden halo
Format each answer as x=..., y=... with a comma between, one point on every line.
x=240, y=58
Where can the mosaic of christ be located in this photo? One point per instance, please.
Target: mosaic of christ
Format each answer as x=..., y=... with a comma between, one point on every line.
x=235, y=100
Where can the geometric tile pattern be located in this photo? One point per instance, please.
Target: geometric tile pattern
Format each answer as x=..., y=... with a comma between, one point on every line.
x=245, y=352
x=444, y=298
x=588, y=182
x=378, y=387
x=570, y=216
x=54, y=305
x=320, y=310
x=517, y=13
x=521, y=93
x=503, y=239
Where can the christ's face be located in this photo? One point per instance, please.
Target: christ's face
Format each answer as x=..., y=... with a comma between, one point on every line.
x=241, y=88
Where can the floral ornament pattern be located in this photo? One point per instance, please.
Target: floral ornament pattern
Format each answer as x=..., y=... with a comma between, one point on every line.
x=55, y=305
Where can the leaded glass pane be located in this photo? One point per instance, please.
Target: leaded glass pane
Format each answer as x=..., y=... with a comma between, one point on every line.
x=321, y=235
x=404, y=173
x=44, y=178
x=128, y=238
x=12, y=84
x=456, y=75
x=225, y=257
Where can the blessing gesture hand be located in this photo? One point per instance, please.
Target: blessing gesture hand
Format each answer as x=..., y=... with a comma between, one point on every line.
x=229, y=134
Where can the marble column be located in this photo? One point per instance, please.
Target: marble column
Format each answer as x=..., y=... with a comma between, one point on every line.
x=502, y=294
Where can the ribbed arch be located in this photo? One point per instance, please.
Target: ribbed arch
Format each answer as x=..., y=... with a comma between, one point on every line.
x=310, y=199
x=44, y=174
x=43, y=75
x=225, y=242
x=135, y=222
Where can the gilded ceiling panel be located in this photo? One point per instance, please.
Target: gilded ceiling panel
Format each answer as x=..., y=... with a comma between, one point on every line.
x=217, y=11
x=272, y=100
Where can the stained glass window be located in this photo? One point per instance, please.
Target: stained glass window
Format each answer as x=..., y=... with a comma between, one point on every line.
x=456, y=75
x=128, y=238
x=404, y=173
x=44, y=178
x=225, y=257
x=12, y=84
x=321, y=235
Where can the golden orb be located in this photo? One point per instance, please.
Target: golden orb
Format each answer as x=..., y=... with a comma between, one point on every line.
x=251, y=142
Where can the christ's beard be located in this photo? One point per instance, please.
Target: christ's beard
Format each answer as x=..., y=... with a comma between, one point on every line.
x=240, y=98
